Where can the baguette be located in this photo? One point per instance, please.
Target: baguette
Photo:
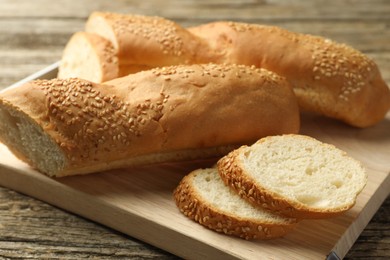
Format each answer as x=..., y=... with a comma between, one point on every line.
x=203, y=197
x=329, y=78
x=73, y=126
x=294, y=175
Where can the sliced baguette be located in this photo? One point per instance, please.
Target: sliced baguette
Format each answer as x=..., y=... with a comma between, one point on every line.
x=295, y=175
x=203, y=197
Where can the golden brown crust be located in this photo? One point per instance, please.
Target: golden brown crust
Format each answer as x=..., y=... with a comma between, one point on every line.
x=197, y=208
x=147, y=40
x=329, y=78
x=162, y=110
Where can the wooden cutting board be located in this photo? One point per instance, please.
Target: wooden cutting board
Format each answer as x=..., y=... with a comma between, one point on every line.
x=138, y=201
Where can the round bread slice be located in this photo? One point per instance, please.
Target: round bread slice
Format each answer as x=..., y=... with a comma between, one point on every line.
x=295, y=175
x=202, y=196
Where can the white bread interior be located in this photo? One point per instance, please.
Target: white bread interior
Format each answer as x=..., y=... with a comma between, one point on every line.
x=295, y=175
x=90, y=57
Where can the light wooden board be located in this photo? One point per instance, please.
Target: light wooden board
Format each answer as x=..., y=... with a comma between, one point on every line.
x=138, y=201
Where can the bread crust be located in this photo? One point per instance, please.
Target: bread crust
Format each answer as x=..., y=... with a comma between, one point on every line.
x=196, y=207
x=148, y=40
x=232, y=172
x=165, y=110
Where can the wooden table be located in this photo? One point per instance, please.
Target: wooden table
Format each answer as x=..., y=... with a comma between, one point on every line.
x=32, y=36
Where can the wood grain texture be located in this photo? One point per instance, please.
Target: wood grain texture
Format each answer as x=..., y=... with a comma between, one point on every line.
x=32, y=36
x=138, y=201
x=33, y=229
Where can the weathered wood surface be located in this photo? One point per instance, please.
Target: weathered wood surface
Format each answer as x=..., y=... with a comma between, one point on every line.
x=32, y=36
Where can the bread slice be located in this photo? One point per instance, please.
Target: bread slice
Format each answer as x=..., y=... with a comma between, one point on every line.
x=202, y=196
x=295, y=175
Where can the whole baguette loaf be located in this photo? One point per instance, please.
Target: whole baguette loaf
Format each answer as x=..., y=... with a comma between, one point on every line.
x=72, y=126
x=203, y=197
x=329, y=78
x=295, y=175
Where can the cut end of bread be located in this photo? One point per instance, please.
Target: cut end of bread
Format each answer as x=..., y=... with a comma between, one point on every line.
x=295, y=175
x=89, y=56
x=29, y=142
x=203, y=197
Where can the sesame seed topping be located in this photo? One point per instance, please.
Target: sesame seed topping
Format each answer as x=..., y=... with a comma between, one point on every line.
x=329, y=59
x=100, y=119
x=163, y=32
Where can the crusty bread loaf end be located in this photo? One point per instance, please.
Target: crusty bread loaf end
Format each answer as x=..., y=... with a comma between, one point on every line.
x=89, y=56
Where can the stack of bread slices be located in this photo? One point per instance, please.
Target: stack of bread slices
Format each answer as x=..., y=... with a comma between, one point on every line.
x=262, y=191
